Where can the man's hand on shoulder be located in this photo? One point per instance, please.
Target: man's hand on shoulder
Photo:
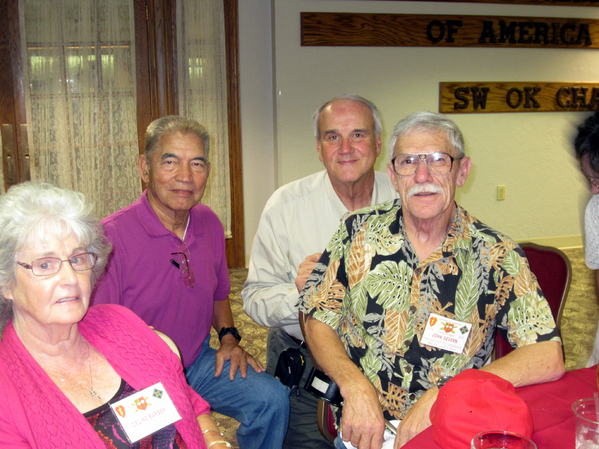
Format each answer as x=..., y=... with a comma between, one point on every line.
x=304, y=270
x=230, y=350
x=417, y=419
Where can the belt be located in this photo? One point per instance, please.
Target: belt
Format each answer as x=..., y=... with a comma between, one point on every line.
x=301, y=343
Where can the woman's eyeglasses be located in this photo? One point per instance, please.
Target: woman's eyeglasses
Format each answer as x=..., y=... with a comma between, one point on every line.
x=46, y=266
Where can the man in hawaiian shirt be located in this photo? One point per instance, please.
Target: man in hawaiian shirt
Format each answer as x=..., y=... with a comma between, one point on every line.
x=409, y=293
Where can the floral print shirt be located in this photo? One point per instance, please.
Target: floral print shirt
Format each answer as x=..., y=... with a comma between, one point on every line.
x=370, y=286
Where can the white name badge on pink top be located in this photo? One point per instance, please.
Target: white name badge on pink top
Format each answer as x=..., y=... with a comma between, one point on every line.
x=145, y=412
x=445, y=333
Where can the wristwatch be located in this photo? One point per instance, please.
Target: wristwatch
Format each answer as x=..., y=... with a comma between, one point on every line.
x=229, y=330
x=443, y=380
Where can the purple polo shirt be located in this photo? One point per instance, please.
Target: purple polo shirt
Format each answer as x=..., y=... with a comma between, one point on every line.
x=141, y=276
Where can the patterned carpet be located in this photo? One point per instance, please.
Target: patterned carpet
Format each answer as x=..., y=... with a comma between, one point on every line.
x=579, y=325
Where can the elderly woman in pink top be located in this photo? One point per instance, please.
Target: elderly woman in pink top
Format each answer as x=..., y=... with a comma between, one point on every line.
x=62, y=363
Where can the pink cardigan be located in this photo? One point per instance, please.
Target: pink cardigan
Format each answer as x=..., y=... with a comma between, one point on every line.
x=35, y=413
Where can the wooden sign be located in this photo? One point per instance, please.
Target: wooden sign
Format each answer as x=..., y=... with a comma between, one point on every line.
x=417, y=30
x=518, y=97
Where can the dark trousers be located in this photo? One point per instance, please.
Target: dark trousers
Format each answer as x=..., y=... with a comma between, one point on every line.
x=302, y=432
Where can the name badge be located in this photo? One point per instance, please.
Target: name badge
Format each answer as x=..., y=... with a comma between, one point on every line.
x=145, y=412
x=445, y=333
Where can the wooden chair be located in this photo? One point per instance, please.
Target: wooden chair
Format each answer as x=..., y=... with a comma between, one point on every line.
x=554, y=273
x=326, y=421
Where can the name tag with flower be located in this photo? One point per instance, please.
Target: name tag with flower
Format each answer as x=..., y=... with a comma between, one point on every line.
x=445, y=333
x=145, y=412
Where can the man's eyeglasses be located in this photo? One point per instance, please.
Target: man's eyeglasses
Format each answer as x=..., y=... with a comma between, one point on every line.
x=592, y=179
x=436, y=163
x=46, y=266
x=181, y=261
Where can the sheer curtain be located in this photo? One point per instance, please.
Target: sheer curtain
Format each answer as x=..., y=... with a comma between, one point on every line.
x=2, y=190
x=79, y=78
x=202, y=87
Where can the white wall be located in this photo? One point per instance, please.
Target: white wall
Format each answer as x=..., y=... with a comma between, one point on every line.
x=257, y=111
x=530, y=153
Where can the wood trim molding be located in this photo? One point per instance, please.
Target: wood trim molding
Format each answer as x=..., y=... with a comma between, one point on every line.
x=142, y=67
x=12, y=96
x=431, y=30
x=235, y=247
x=170, y=56
x=162, y=43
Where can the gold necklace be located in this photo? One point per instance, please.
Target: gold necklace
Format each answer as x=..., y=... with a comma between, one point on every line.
x=91, y=377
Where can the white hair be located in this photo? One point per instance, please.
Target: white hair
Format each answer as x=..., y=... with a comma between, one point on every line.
x=428, y=121
x=31, y=212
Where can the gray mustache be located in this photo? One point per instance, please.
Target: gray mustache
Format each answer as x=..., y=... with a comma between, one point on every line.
x=424, y=188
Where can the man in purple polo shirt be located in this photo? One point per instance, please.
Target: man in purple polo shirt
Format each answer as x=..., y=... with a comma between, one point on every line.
x=168, y=265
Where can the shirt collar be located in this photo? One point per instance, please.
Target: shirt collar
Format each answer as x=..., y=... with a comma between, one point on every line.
x=338, y=205
x=153, y=226
x=335, y=203
x=458, y=238
x=459, y=235
x=375, y=193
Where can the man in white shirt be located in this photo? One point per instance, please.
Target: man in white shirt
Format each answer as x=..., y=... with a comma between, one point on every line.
x=296, y=225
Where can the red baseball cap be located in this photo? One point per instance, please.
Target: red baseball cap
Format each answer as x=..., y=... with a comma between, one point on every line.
x=475, y=401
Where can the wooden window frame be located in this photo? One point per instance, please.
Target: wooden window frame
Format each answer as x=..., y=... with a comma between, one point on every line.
x=157, y=94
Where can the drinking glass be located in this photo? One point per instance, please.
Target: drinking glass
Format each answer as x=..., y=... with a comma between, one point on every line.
x=587, y=424
x=501, y=439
